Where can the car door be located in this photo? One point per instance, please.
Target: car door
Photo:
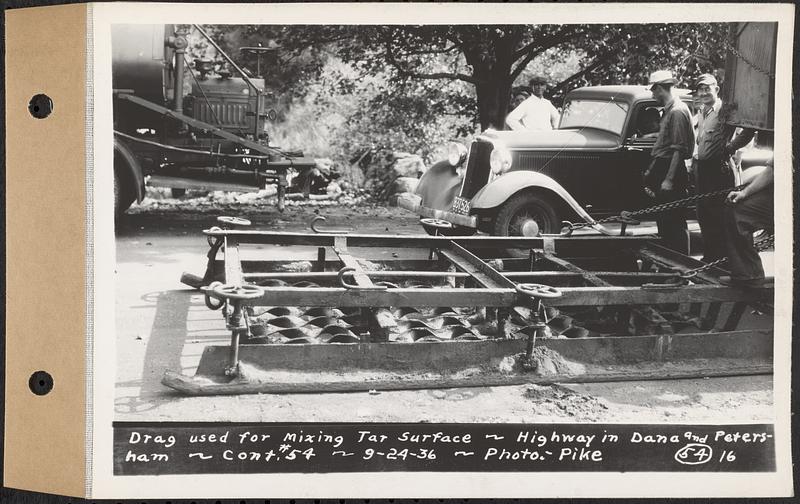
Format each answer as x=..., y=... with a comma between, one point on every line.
x=633, y=157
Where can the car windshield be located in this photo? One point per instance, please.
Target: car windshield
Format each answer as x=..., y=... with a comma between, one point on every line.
x=605, y=115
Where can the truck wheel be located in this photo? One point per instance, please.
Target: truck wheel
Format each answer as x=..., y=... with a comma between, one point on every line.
x=527, y=215
x=123, y=194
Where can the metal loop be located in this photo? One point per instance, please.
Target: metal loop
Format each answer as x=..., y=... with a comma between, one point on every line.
x=567, y=228
x=238, y=292
x=538, y=290
x=686, y=275
x=233, y=221
x=209, y=304
x=348, y=270
x=212, y=240
x=320, y=218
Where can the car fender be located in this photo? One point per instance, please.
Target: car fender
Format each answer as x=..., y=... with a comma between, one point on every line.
x=127, y=160
x=438, y=186
x=503, y=187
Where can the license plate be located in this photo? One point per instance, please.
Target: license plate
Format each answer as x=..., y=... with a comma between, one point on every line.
x=461, y=206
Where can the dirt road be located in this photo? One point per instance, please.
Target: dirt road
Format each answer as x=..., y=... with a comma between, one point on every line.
x=163, y=325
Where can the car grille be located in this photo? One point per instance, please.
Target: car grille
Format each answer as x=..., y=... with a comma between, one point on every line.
x=553, y=164
x=477, y=174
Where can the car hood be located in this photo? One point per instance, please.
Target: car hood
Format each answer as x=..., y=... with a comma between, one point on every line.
x=569, y=138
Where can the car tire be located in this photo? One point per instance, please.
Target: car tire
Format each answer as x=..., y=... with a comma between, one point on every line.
x=520, y=209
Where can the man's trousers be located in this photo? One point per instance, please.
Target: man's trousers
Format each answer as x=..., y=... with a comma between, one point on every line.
x=741, y=220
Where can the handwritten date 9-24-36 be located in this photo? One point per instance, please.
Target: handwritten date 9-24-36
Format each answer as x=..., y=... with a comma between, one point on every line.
x=404, y=454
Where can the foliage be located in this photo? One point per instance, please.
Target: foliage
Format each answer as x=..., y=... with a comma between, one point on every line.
x=363, y=119
x=354, y=92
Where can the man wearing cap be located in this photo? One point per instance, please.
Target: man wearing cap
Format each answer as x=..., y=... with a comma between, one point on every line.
x=536, y=112
x=712, y=169
x=666, y=178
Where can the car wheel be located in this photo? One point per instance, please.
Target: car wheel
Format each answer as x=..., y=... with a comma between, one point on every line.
x=527, y=215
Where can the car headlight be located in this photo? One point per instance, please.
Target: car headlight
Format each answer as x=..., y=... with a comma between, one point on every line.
x=456, y=153
x=500, y=160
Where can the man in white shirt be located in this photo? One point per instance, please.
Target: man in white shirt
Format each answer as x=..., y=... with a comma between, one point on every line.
x=536, y=113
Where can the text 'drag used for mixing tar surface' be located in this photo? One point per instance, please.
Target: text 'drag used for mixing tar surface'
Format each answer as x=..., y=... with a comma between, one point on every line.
x=178, y=448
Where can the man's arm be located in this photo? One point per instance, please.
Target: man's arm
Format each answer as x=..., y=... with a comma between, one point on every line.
x=674, y=162
x=761, y=182
x=514, y=118
x=682, y=145
x=740, y=140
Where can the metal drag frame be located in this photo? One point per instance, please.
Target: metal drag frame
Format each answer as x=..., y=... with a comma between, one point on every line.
x=577, y=271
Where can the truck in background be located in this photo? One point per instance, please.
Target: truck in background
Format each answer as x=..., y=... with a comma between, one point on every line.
x=189, y=128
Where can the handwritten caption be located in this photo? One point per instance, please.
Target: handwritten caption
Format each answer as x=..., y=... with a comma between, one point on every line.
x=168, y=448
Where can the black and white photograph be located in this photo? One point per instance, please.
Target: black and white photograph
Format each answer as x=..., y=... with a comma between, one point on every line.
x=492, y=247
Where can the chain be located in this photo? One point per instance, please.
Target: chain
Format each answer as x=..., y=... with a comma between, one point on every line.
x=628, y=217
x=762, y=245
x=741, y=56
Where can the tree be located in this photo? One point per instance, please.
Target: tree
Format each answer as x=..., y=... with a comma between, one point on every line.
x=492, y=58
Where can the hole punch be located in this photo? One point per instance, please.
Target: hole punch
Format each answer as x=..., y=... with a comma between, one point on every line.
x=40, y=106
x=40, y=383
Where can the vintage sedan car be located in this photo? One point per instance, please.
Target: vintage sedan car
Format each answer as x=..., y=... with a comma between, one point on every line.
x=523, y=183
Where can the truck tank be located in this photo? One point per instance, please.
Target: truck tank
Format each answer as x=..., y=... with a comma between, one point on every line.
x=142, y=63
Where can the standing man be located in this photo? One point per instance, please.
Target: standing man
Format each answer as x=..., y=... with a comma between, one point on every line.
x=713, y=169
x=750, y=210
x=666, y=178
x=536, y=113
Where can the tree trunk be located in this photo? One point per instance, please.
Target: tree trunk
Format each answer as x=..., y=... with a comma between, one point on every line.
x=493, y=86
x=494, y=94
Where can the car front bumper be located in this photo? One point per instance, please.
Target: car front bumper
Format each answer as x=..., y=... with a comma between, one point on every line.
x=414, y=204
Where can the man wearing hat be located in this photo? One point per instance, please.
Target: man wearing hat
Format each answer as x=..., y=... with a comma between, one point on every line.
x=666, y=178
x=536, y=112
x=712, y=169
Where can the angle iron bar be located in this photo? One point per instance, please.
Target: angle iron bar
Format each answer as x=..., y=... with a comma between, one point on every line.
x=564, y=246
x=589, y=277
x=677, y=261
x=328, y=275
x=511, y=266
x=571, y=296
x=482, y=272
